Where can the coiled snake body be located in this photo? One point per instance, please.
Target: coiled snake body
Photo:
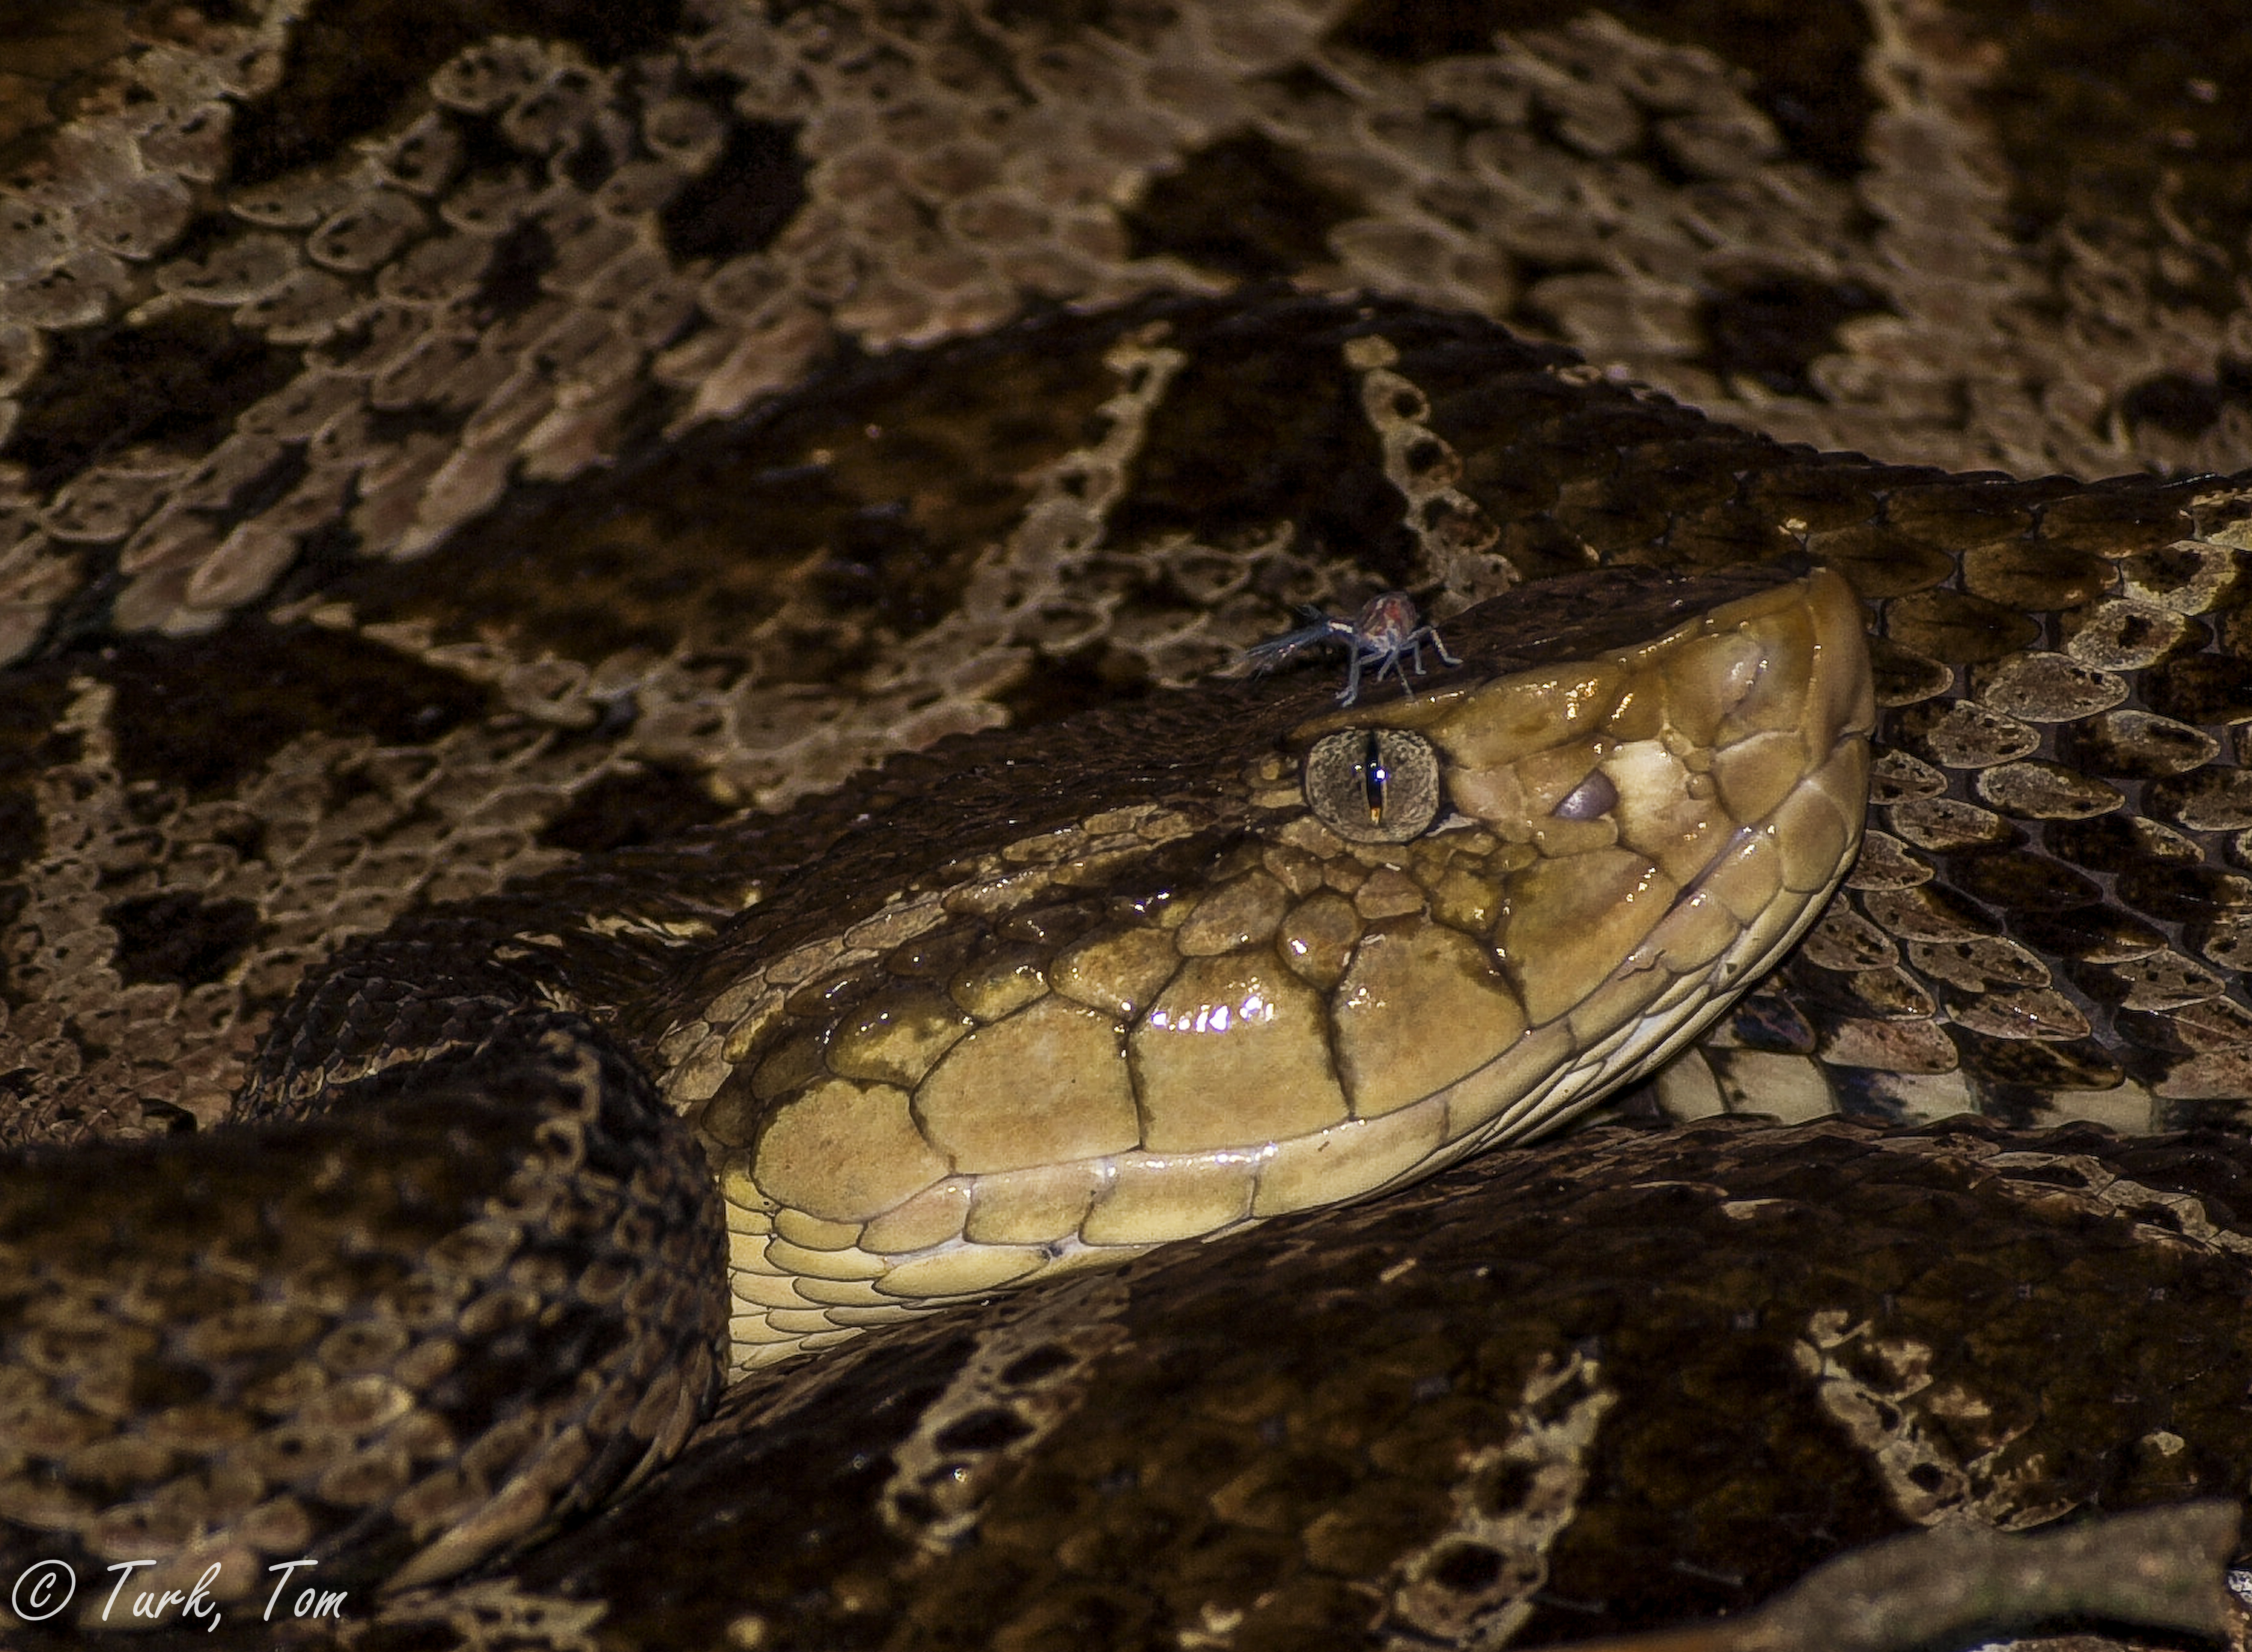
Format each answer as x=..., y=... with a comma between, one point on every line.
x=1468, y=1413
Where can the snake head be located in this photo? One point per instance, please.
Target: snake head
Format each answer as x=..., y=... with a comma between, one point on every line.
x=1268, y=958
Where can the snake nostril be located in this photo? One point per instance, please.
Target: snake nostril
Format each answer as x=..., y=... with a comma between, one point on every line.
x=1591, y=798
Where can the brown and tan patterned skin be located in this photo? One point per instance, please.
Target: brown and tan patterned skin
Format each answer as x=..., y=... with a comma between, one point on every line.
x=442, y=443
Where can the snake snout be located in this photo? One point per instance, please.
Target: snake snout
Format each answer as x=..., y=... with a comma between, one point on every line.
x=1735, y=751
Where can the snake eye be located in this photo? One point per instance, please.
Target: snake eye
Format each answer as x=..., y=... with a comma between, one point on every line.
x=1373, y=785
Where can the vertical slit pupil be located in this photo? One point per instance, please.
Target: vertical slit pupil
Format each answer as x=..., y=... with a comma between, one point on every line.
x=1373, y=776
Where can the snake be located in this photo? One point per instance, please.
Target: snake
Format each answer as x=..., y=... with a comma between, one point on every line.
x=382, y=719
